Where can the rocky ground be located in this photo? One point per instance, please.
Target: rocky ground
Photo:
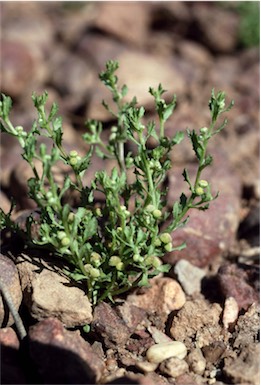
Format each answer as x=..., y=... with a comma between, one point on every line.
x=199, y=324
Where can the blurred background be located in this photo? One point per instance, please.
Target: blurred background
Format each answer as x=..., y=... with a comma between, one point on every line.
x=189, y=47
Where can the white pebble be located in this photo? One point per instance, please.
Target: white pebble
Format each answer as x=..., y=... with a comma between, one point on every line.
x=230, y=313
x=160, y=352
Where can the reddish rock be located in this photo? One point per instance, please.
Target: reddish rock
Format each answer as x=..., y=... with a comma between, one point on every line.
x=17, y=67
x=240, y=282
x=11, y=371
x=207, y=233
x=110, y=326
x=10, y=279
x=218, y=27
x=62, y=356
x=131, y=315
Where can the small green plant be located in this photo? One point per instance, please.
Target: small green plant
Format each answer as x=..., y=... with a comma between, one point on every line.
x=113, y=247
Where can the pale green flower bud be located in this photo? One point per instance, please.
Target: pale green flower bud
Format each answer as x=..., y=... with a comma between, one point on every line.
x=95, y=259
x=71, y=217
x=136, y=257
x=65, y=241
x=73, y=154
x=157, y=213
x=61, y=235
x=73, y=161
x=204, y=130
x=165, y=238
x=120, y=266
x=168, y=247
x=203, y=183
x=114, y=260
x=157, y=242
x=150, y=208
x=199, y=191
x=94, y=273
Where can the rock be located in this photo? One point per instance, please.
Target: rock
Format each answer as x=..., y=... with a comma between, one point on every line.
x=146, y=366
x=197, y=323
x=131, y=315
x=18, y=68
x=230, y=312
x=10, y=279
x=110, y=326
x=151, y=71
x=241, y=282
x=214, y=351
x=71, y=76
x=11, y=369
x=189, y=276
x=48, y=293
x=218, y=27
x=126, y=21
x=164, y=296
x=244, y=368
x=196, y=361
x=247, y=327
x=5, y=202
x=164, y=350
x=173, y=367
x=211, y=232
x=62, y=356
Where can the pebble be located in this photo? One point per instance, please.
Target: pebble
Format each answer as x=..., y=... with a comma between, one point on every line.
x=174, y=367
x=146, y=366
x=189, y=276
x=196, y=361
x=230, y=313
x=160, y=352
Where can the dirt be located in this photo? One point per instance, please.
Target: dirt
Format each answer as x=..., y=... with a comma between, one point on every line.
x=209, y=301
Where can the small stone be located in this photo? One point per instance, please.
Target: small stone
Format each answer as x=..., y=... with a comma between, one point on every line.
x=10, y=279
x=173, y=367
x=230, y=312
x=189, y=276
x=63, y=356
x=110, y=326
x=196, y=361
x=213, y=351
x=146, y=366
x=160, y=352
x=240, y=282
x=164, y=296
x=48, y=293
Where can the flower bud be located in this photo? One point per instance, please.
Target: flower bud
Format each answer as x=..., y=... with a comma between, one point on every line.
x=203, y=183
x=120, y=266
x=65, y=241
x=204, y=130
x=95, y=259
x=73, y=154
x=150, y=208
x=71, y=217
x=168, y=247
x=157, y=214
x=157, y=242
x=73, y=161
x=165, y=238
x=114, y=260
x=136, y=257
x=61, y=235
x=94, y=273
x=199, y=191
